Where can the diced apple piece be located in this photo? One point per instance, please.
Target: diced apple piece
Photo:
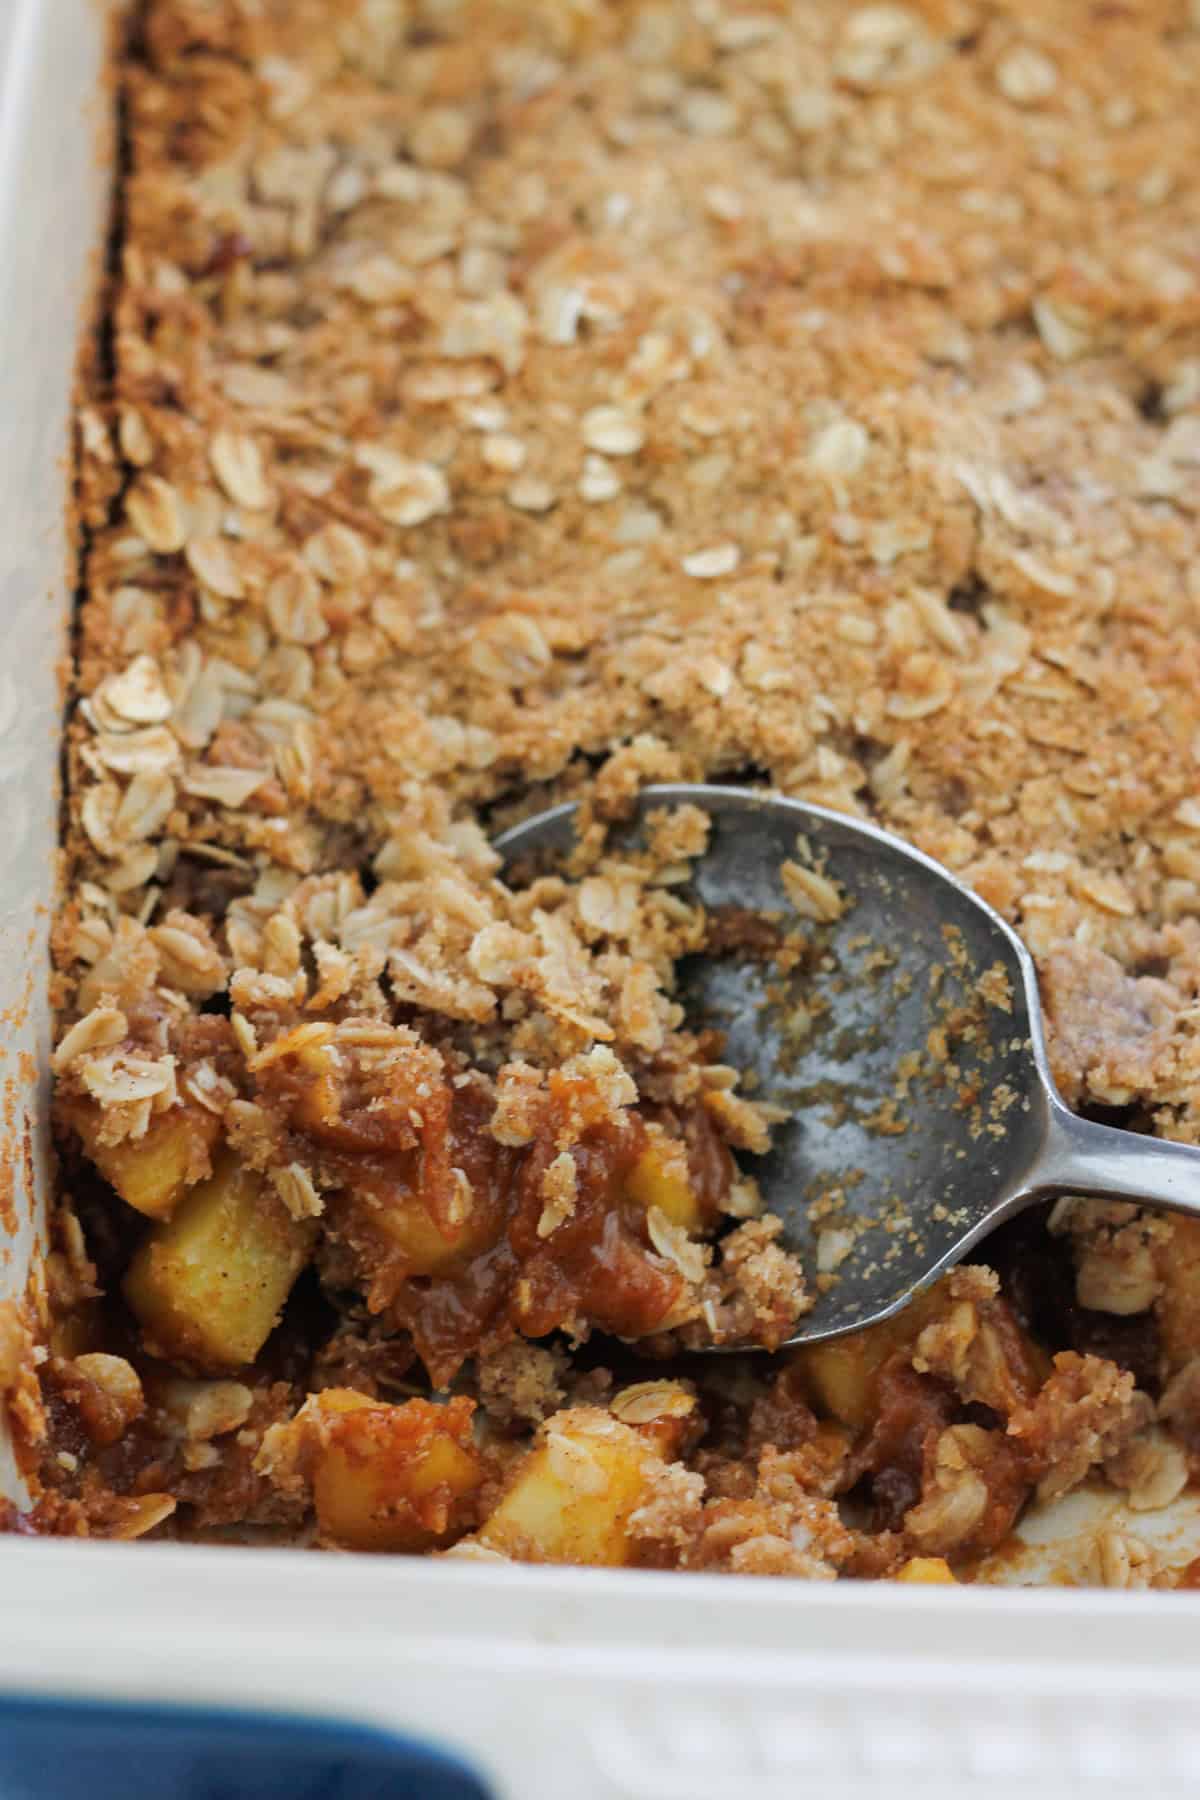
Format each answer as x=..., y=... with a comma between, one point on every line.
x=208, y=1284
x=400, y=1478
x=406, y=1224
x=152, y=1173
x=660, y=1177
x=839, y=1377
x=926, y=1569
x=571, y=1498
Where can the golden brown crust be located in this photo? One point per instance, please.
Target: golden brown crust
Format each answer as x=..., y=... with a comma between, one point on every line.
x=542, y=401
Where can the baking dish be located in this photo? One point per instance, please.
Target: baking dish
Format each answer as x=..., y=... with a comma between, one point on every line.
x=545, y=1681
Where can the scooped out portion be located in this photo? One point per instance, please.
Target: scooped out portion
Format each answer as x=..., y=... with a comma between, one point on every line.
x=506, y=1129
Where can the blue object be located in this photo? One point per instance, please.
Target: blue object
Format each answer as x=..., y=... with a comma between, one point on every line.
x=67, y=1750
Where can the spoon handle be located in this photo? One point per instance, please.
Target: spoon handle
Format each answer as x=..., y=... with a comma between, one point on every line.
x=1081, y=1157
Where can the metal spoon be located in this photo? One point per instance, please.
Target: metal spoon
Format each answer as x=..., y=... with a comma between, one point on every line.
x=976, y=1130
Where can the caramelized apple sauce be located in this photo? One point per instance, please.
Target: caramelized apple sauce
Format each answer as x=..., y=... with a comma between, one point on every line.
x=463, y=1240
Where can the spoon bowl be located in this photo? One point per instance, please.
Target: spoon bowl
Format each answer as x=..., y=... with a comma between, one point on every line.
x=901, y=1039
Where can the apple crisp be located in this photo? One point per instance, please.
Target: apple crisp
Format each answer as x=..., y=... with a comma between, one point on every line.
x=504, y=402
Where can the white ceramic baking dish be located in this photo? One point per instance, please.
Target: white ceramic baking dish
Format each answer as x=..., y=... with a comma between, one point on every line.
x=548, y=1682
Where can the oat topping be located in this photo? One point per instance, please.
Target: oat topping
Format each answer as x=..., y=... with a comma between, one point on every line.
x=514, y=402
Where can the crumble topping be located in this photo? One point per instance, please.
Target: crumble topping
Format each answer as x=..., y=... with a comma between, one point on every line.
x=514, y=403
